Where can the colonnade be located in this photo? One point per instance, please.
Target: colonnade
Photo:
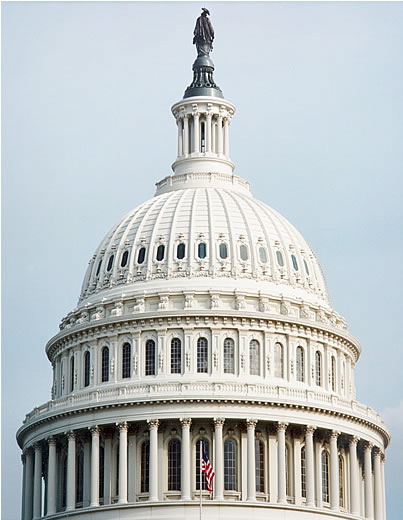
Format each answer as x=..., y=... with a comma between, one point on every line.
x=289, y=478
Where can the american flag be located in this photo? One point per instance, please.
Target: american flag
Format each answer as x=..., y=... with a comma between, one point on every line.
x=207, y=468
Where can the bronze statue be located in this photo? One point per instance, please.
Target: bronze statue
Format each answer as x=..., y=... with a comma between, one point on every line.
x=203, y=34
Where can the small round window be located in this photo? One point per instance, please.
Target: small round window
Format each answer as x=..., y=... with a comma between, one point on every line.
x=202, y=250
x=294, y=262
x=306, y=267
x=180, y=251
x=243, y=252
x=223, y=251
x=160, y=252
x=110, y=263
x=98, y=268
x=263, y=254
x=125, y=258
x=280, y=260
x=141, y=256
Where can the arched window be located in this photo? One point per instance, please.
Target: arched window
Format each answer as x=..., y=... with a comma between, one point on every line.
x=79, y=475
x=318, y=368
x=87, y=361
x=300, y=365
x=229, y=356
x=333, y=373
x=105, y=365
x=180, y=251
x=303, y=472
x=72, y=373
x=202, y=250
x=341, y=482
x=145, y=467
x=160, y=252
x=230, y=465
x=202, y=356
x=243, y=252
x=142, y=255
x=263, y=254
x=223, y=251
x=325, y=476
x=278, y=360
x=126, y=360
x=176, y=356
x=259, y=462
x=150, y=357
x=125, y=258
x=174, y=465
x=206, y=447
x=110, y=263
x=280, y=260
x=254, y=358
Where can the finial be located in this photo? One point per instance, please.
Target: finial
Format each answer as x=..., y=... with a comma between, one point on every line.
x=203, y=83
x=203, y=34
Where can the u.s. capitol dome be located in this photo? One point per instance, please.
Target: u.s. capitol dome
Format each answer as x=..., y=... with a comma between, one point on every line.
x=203, y=316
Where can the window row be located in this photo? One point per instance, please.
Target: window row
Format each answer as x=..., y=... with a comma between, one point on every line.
x=202, y=252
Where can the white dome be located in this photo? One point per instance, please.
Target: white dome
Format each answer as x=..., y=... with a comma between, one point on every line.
x=215, y=210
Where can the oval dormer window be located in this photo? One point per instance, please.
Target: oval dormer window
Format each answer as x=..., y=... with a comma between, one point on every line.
x=202, y=250
x=125, y=258
x=98, y=268
x=110, y=263
x=223, y=251
x=160, y=252
x=306, y=267
x=180, y=251
x=263, y=254
x=141, y=256
x=294, y=262
x=280, y=260
x=243, y=252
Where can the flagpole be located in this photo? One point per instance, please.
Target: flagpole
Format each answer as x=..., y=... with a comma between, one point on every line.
x=200, y=477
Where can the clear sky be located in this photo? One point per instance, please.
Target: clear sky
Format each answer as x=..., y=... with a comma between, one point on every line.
x=87, y=131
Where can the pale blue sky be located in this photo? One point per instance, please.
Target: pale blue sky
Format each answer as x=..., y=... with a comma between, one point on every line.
x=87, y=130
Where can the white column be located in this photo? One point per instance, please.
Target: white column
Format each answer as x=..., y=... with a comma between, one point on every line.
x=107, y=466
x=318, y=461
x=23, y=460
x=186, y=134
x=219, y=135
x=94, y=466
x=37, y=481
x=122, y=463
x=378, y=485
x=369, y=493
x=185, y=462
x=29, y=480
x=208, y=132
x=334, y=472
x=354, y=487
x=383, y=485
x=153, y=425
x=219, y=459
x=251, y=459
x=51, y=492
x=71, y=472
x=132, y=464
x=226, y=137
x=87, y=472
x=196, y=132
x=180, y=136
x=282, y=487
x=213, y=135
x=310, y=467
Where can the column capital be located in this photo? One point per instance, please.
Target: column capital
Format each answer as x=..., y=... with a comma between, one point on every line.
x=309, y=430
x=377, y=451
x=123, y=426
x=51, y=440
x=353, y=440
x=282, y=426
x=368, y=446
x=71, y=435
x=333, y=435
x=37, y=446
x=251, y=423
x=153, y=424
x=23, y=458
x=218, y=422
x=28, y=451
x=186, y=422
x=95, y=430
